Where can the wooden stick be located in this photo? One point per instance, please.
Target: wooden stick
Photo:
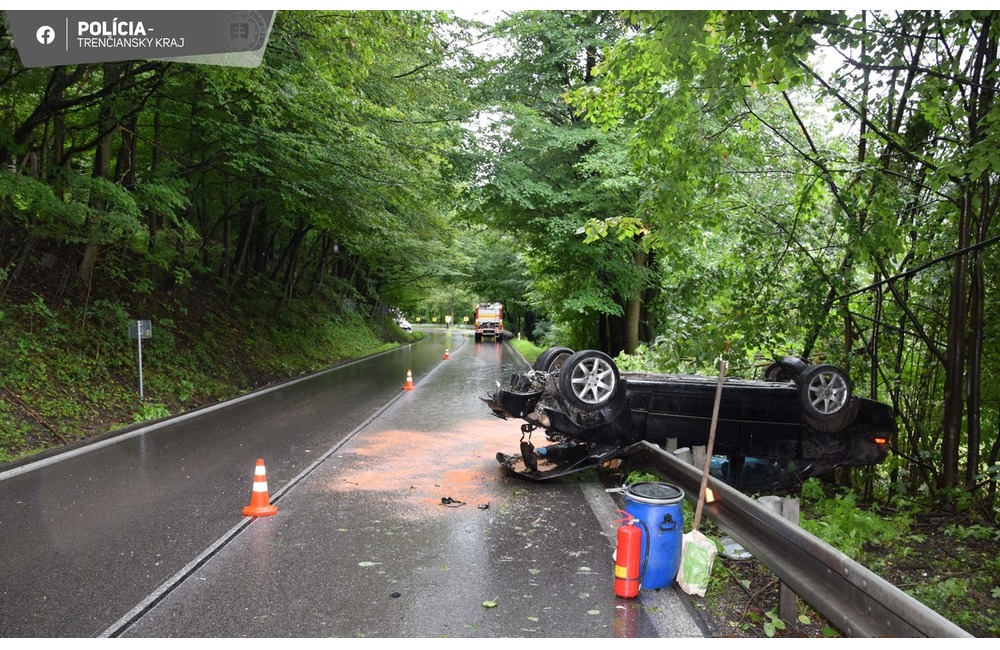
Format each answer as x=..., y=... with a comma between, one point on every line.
x=711, y=444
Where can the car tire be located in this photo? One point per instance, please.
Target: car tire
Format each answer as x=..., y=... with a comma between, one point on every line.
x=552, y=359
x=824, y=392
x=787, y=369
x=589, y=380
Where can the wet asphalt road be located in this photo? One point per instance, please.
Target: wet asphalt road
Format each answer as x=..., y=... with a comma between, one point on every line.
x=394, y=520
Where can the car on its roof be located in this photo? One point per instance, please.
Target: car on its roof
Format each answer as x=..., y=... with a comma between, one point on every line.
x=800, y=420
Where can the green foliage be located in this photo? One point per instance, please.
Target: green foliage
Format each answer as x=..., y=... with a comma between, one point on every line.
x=546, y=177
x=487, y=266
x=768, y=622
x=944, y=594
x=951, y=577
x=13, y=431
x=150, y=412
x=760, y=212
x=640, y=477
x=840, y=522
x=326, y=166
x=772, y=623
x=33, y=205
x=111, y=209
x=71, y=373
x=976, y=531
x=527, y=348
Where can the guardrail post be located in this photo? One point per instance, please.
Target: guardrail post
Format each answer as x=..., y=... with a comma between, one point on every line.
x=788, y=508
x=698, y=457
x=788, y=602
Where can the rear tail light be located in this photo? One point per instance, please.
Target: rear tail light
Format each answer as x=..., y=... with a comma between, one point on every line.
x=881, y=441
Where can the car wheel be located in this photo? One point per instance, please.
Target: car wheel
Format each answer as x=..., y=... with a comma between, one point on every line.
x=825, y=391
x=588, y=380
x=787, y=369
x=777, y=372
x=552, y=359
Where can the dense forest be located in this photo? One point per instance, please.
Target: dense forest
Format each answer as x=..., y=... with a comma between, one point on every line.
x=661, y=185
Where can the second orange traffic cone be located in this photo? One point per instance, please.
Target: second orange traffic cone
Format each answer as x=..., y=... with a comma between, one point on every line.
x=446, y=355
x=260, y=504
x=409, y=381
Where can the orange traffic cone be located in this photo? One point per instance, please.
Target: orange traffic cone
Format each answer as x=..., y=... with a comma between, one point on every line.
x=409, y=381
x=260, y=505
x=446, y=355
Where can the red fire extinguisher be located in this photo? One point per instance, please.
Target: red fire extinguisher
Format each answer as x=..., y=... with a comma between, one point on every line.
x=628, y=558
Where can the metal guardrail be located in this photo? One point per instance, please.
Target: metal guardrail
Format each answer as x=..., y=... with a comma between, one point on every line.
x=855, y=600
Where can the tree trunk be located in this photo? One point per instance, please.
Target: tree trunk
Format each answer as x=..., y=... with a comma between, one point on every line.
x=985, y=96
x=291, y=262
x=633, y=307
x=243, y=245
x=22, y=259
x=966, y=301
x=972, y=383
x=152, y=219
x=616, y=335
x=319, y=272
x=102, y=169
x=954, y=365
x=125, y=164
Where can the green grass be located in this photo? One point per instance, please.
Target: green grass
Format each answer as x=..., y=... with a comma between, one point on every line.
x=70, y=374
x=527, y=348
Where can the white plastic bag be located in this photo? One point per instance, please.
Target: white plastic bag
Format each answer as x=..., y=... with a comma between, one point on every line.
x=697, y=557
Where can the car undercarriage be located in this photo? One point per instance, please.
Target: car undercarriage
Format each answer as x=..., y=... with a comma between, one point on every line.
x=802, y=420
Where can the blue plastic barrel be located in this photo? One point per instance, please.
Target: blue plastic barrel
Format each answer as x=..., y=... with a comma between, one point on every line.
x=658, y=507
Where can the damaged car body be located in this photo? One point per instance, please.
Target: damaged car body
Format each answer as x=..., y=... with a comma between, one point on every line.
x=800, y=421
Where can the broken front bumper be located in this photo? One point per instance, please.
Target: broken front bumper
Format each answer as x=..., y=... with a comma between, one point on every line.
x=555, y=459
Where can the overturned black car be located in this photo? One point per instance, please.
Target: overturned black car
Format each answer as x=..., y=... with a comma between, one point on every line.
x=800, y=421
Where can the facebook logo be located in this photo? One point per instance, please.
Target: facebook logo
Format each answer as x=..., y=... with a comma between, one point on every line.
x=45, y=35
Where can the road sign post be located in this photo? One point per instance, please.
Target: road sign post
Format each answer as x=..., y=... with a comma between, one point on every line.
x=139, y=330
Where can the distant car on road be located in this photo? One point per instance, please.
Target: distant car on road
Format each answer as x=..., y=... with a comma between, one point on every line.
x=801, y=420
x=404, y=324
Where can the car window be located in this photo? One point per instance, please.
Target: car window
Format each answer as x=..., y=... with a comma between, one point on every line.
x=719, y=468
x=750, y=474
x=759, y=472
